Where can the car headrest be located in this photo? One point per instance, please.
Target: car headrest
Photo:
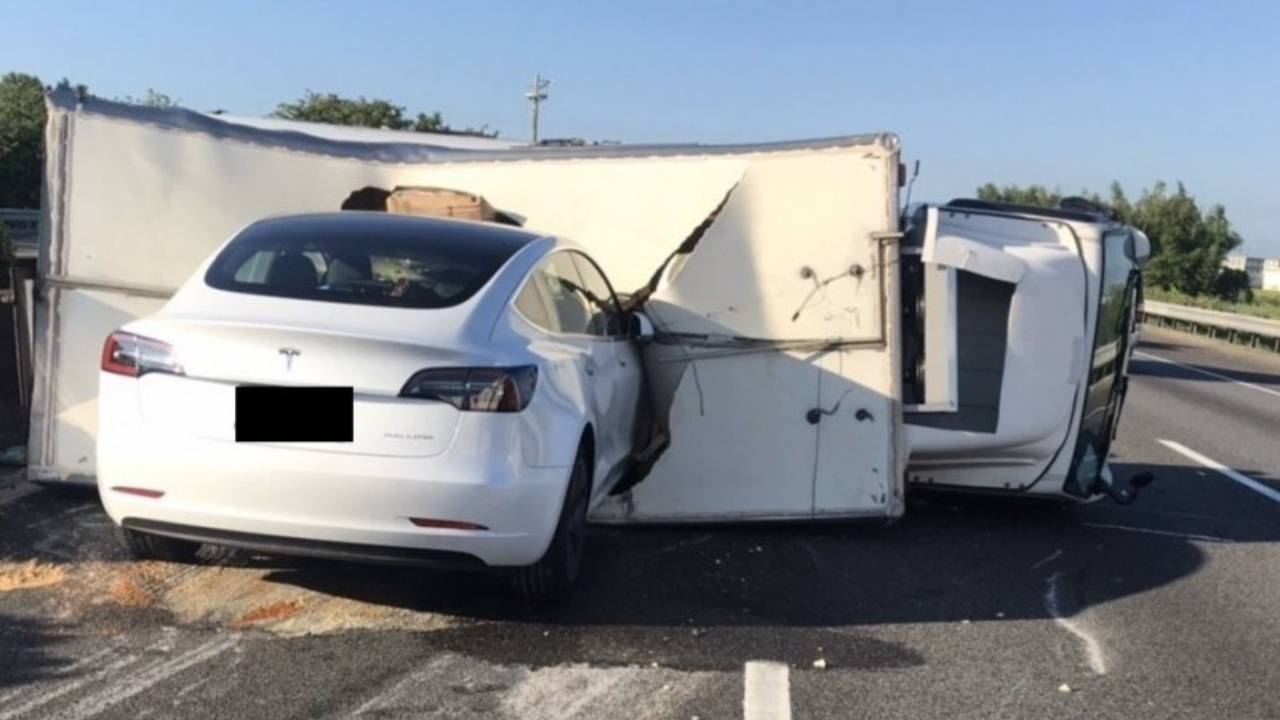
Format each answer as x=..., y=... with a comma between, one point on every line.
x=293, y=270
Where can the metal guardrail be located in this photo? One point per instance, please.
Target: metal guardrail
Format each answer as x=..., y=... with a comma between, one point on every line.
x=21, y=222
x=1253, y=331
x=24, y=230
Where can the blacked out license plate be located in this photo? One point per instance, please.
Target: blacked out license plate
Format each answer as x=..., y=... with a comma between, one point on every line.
x=267, y=413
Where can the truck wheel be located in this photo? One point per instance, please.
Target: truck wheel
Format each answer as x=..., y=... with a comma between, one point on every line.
x=143, y=546
x=552, y=578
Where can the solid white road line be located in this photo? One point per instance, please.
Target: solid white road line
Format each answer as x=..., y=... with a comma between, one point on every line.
x=1245, y=480
x=1210, y=373
x=1092, y=648
x=1165, y=533
x=766, y=691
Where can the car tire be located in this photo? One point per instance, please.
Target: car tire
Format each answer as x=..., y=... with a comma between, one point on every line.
x=552, y=578
x=144, y=546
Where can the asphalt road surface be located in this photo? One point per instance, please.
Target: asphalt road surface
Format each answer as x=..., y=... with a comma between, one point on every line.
x=973, y=609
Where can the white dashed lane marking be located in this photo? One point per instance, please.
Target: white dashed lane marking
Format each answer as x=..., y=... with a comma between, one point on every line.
x=1163, y=533
x=1208, y=373
x=766, y=691
x=1263, y=490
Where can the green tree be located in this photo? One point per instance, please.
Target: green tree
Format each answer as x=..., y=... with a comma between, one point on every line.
x=429, y=123
x=1187, y=245
x=335, y=110
x=21, y=140
x=1037, y=195
x=361, y=112
x=151, y=99
x=1233, y=286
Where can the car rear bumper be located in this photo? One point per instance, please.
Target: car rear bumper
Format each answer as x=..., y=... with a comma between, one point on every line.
x=299, y=501
x=275, y=545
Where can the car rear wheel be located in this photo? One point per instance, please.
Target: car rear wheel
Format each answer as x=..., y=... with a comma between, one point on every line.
x=552, y=578
x=144, y=546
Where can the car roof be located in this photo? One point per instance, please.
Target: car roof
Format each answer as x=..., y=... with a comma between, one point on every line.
x=506, y=236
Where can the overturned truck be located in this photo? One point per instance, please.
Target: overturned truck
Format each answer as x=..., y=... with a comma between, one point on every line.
x=816, y=350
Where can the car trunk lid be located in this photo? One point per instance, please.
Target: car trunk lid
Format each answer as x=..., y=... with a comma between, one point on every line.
x=218, y=356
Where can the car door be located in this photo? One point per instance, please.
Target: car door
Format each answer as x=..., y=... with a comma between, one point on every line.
x=572, y=323
x=617, y=367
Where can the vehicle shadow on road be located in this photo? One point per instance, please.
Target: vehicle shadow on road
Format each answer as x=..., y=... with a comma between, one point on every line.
x=950, y=559
x=697, y=596
x=25, y=654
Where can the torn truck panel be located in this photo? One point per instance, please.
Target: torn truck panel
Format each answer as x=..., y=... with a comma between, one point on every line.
x=676, y=259
x=774, y=368
x=793, y=254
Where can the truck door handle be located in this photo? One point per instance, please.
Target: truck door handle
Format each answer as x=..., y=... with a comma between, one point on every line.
x=590, y=366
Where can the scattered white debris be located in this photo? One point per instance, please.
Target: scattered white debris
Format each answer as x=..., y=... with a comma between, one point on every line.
x=1093, y=649
x=999, y=614
x=1064, y=688
x=964, y=622
x=820, y=664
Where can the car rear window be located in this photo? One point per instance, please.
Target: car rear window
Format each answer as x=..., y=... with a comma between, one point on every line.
x=374, y=260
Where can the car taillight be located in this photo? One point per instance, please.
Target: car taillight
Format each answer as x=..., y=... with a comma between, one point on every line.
x=477, y=389
x=133, y=355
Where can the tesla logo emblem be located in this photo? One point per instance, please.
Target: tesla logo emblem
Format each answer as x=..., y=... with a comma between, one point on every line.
x=289, y=354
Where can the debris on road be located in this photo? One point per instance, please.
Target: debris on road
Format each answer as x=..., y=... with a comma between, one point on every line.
x=270, y=612
x=29, y=574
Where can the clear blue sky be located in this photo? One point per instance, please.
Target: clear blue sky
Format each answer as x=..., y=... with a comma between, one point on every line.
x=1071, y=95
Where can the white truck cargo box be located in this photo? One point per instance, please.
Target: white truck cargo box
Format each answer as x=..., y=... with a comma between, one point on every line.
x=769, y=271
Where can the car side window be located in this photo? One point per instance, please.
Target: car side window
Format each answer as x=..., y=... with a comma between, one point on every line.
x=568, y=297
x=254, y=270
x=606, y=317
x=531, y=304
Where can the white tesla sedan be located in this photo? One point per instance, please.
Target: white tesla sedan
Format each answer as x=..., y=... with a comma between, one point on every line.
x=374, y=387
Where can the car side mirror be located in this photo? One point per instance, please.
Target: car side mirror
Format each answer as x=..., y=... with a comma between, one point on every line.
x=1141, y=247
x=641, y=327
